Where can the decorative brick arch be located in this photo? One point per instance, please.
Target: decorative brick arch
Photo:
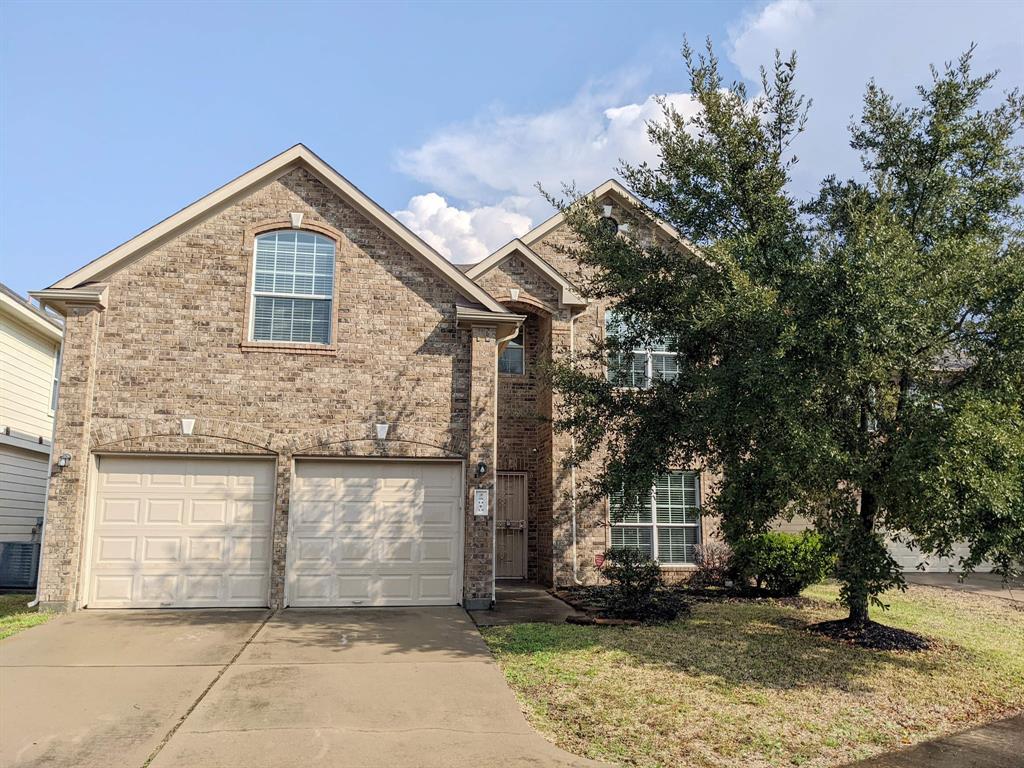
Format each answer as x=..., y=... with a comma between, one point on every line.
x=358, y=438
x=124, y=432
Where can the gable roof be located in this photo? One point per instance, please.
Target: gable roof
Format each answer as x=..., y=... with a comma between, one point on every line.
x=609, y=187
x=569, y=295
x=298, y=156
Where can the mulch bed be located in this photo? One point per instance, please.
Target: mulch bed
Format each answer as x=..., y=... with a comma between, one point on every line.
x=870, y=634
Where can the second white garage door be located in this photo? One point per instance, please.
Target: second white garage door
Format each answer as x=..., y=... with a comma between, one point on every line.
x=375, y=533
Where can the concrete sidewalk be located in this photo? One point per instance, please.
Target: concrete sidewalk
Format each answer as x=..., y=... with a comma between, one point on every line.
x=363, y=687
x=988, y=584
x=518, y=602
x=996, y=745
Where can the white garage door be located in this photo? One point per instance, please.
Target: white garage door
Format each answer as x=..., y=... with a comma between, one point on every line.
x=188, y=533
x=375, y=533
x=910, y=558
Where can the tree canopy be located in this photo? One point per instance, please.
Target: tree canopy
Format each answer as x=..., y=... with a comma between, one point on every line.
x=857, y=358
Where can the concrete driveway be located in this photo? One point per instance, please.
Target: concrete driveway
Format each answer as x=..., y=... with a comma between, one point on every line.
x=364, y=687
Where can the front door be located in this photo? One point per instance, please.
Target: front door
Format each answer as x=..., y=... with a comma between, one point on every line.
x=511, y=525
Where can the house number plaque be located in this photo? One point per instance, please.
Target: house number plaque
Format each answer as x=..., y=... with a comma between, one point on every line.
x=481, y=502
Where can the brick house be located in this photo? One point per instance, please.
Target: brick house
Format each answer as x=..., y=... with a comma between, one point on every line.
x=281, y=396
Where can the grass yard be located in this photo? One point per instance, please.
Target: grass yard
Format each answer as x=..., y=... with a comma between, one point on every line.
x=14, y=616
x=743, y=684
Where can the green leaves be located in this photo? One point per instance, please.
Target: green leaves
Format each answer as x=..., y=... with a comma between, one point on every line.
x=864, y=346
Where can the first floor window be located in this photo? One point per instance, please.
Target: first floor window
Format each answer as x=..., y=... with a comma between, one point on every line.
x=666, y=523
x=293, y=287
x=637, y=368
x=513, y=356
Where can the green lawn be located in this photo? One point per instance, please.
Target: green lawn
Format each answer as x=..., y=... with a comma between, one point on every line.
x=743, y=684
x=14, y=616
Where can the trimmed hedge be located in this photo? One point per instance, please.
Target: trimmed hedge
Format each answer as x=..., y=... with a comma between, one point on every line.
x=779, y=563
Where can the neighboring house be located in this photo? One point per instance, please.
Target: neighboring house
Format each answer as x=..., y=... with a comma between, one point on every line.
x=282, y=396
x=30, y=342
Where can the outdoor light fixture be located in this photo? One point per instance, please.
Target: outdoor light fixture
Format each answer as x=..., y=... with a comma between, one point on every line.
x=64, y=460
x=382, y=431
x=481, y=469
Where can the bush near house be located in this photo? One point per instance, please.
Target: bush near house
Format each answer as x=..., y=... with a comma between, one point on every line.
x=781, y=564
x=636, y=590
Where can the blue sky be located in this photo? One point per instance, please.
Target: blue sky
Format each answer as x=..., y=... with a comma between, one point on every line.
x=113, y=116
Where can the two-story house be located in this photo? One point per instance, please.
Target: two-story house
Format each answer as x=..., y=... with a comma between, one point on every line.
x=282, y=396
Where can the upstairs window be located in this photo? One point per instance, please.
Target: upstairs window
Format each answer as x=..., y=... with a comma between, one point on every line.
x=638, y=367
x=293, y=287
x=666, y=524
x=513, y=356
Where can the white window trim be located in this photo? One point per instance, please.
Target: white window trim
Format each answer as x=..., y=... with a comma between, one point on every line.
x=654, y=524
x=648, y=363
x=329, y=298
x=522, y=346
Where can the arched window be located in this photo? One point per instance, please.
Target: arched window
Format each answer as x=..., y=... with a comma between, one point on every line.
x=293, y=287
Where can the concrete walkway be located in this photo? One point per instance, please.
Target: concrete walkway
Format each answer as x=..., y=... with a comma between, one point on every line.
x=988, y=584
x=996, y=745
x=364, y=687
x=518, y=602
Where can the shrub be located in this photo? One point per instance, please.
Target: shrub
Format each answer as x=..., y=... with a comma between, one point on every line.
x=636, y=590
x=712, y=565
x=781, y=563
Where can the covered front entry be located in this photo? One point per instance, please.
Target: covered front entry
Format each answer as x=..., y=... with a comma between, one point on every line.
x=375, y=532
x=172, y=532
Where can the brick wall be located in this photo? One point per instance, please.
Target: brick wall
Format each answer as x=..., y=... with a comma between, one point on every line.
x=171, y=344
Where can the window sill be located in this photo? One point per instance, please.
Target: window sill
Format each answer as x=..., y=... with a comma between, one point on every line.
x=677, y=566
x=295, y=349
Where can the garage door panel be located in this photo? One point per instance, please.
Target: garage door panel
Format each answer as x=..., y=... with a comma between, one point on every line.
x=116, y=550
x=114, y=511
x=164, y=512
x=391, y=524
x=206, y=549
x=164, y=537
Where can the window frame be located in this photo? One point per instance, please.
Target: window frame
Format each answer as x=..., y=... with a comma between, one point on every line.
x=648, y=353
x=653, y=525
x=248, y=343
x=521, y=347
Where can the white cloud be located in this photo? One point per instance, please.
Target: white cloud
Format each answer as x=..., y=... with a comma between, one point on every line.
x=496, y=161
x=840, y=46
x=464, y=236
x=484, y=172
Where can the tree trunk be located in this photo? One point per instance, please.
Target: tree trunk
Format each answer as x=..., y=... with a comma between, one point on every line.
x=858, y=593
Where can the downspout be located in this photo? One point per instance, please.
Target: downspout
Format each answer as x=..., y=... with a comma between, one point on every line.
x=572, y=471
x=494, y=516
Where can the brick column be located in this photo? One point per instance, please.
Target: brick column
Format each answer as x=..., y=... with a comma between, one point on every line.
x=68, y=495
x=279, y=542
x=478, y=573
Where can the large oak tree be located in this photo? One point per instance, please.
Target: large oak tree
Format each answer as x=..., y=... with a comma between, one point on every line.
x=858, y=358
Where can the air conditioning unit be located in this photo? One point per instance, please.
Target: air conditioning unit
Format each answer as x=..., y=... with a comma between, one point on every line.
x=19, y=563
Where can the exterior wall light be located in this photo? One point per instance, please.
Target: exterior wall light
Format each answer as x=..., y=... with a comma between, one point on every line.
x=64, y=460
x=382, y=431
x=481, y=469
